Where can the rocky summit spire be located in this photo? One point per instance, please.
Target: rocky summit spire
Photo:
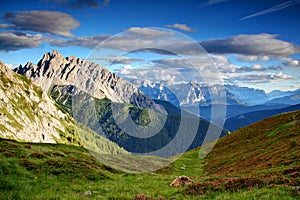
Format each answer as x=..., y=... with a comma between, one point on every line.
x=54, y=69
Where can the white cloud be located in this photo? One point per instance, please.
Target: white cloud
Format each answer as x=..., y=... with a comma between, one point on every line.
x=262, y=45
x=88, y=42
x=53, y=22
x=264, y=58
x=182, y=27
x=272, y=67
x=292, y=63
x=281, y=76
x=257, y=67
x=259, y=78
x=254, y=45
x=147, y=33
x=257, y=47
x=15, y=41
x=153, y=73
x=243, y=58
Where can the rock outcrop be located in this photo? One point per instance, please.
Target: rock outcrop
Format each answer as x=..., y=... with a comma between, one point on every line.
x=28, y=113
x=181, y=181
x=54, y=69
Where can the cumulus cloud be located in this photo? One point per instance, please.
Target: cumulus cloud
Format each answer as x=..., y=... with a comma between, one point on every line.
x=257, y=47
x=209, y=68
x=292, y=63
x=174, y=62
x=182, y=27
x=272, y=67
x=147, y=33
x=10, y=41
x=254, y=68
x=259, y=78
x=259, y=44
x=88, y=42
x=243, y=58
x=53, y=22
x=178, y=69
x=204, y=63
x=133, y=38
x=153, y=73
x=273, y=9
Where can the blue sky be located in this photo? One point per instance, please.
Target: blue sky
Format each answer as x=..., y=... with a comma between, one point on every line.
x=252, y=43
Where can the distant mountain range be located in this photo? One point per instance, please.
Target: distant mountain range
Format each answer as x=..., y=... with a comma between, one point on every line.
x=246, y=119
x=187, y=94
x=289, y=100
x=238, y=100
x=275, y=94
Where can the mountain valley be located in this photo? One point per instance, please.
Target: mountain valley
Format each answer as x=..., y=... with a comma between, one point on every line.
x=93, y=148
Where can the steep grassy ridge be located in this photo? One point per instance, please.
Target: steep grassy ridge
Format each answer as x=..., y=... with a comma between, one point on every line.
x=263, y=155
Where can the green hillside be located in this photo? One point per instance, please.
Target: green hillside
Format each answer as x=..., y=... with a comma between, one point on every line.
x=104, y=122
x=257, y=162
x=263, y=155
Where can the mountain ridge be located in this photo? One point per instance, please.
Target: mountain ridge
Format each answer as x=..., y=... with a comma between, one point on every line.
x=54, y=69
x=245, y=119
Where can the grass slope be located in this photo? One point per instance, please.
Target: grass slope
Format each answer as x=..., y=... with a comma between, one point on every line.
x=263, y=155
x=257, y=162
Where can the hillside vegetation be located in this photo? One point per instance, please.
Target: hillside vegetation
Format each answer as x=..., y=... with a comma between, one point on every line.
x=264, y=154
x=260, y=161
x=98, y=114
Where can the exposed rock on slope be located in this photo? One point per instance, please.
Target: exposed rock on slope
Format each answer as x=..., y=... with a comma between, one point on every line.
x=54, y=69
x=27, y=113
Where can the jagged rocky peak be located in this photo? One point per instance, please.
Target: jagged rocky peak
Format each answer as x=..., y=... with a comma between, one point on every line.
x=54, y=69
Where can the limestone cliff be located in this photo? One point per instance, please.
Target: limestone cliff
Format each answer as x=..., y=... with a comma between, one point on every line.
x=54, y=69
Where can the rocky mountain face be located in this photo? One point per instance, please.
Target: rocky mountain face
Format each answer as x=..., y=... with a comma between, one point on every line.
x=54, y=69
x=189, y=94
x=251, y=96
x=28, y=113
